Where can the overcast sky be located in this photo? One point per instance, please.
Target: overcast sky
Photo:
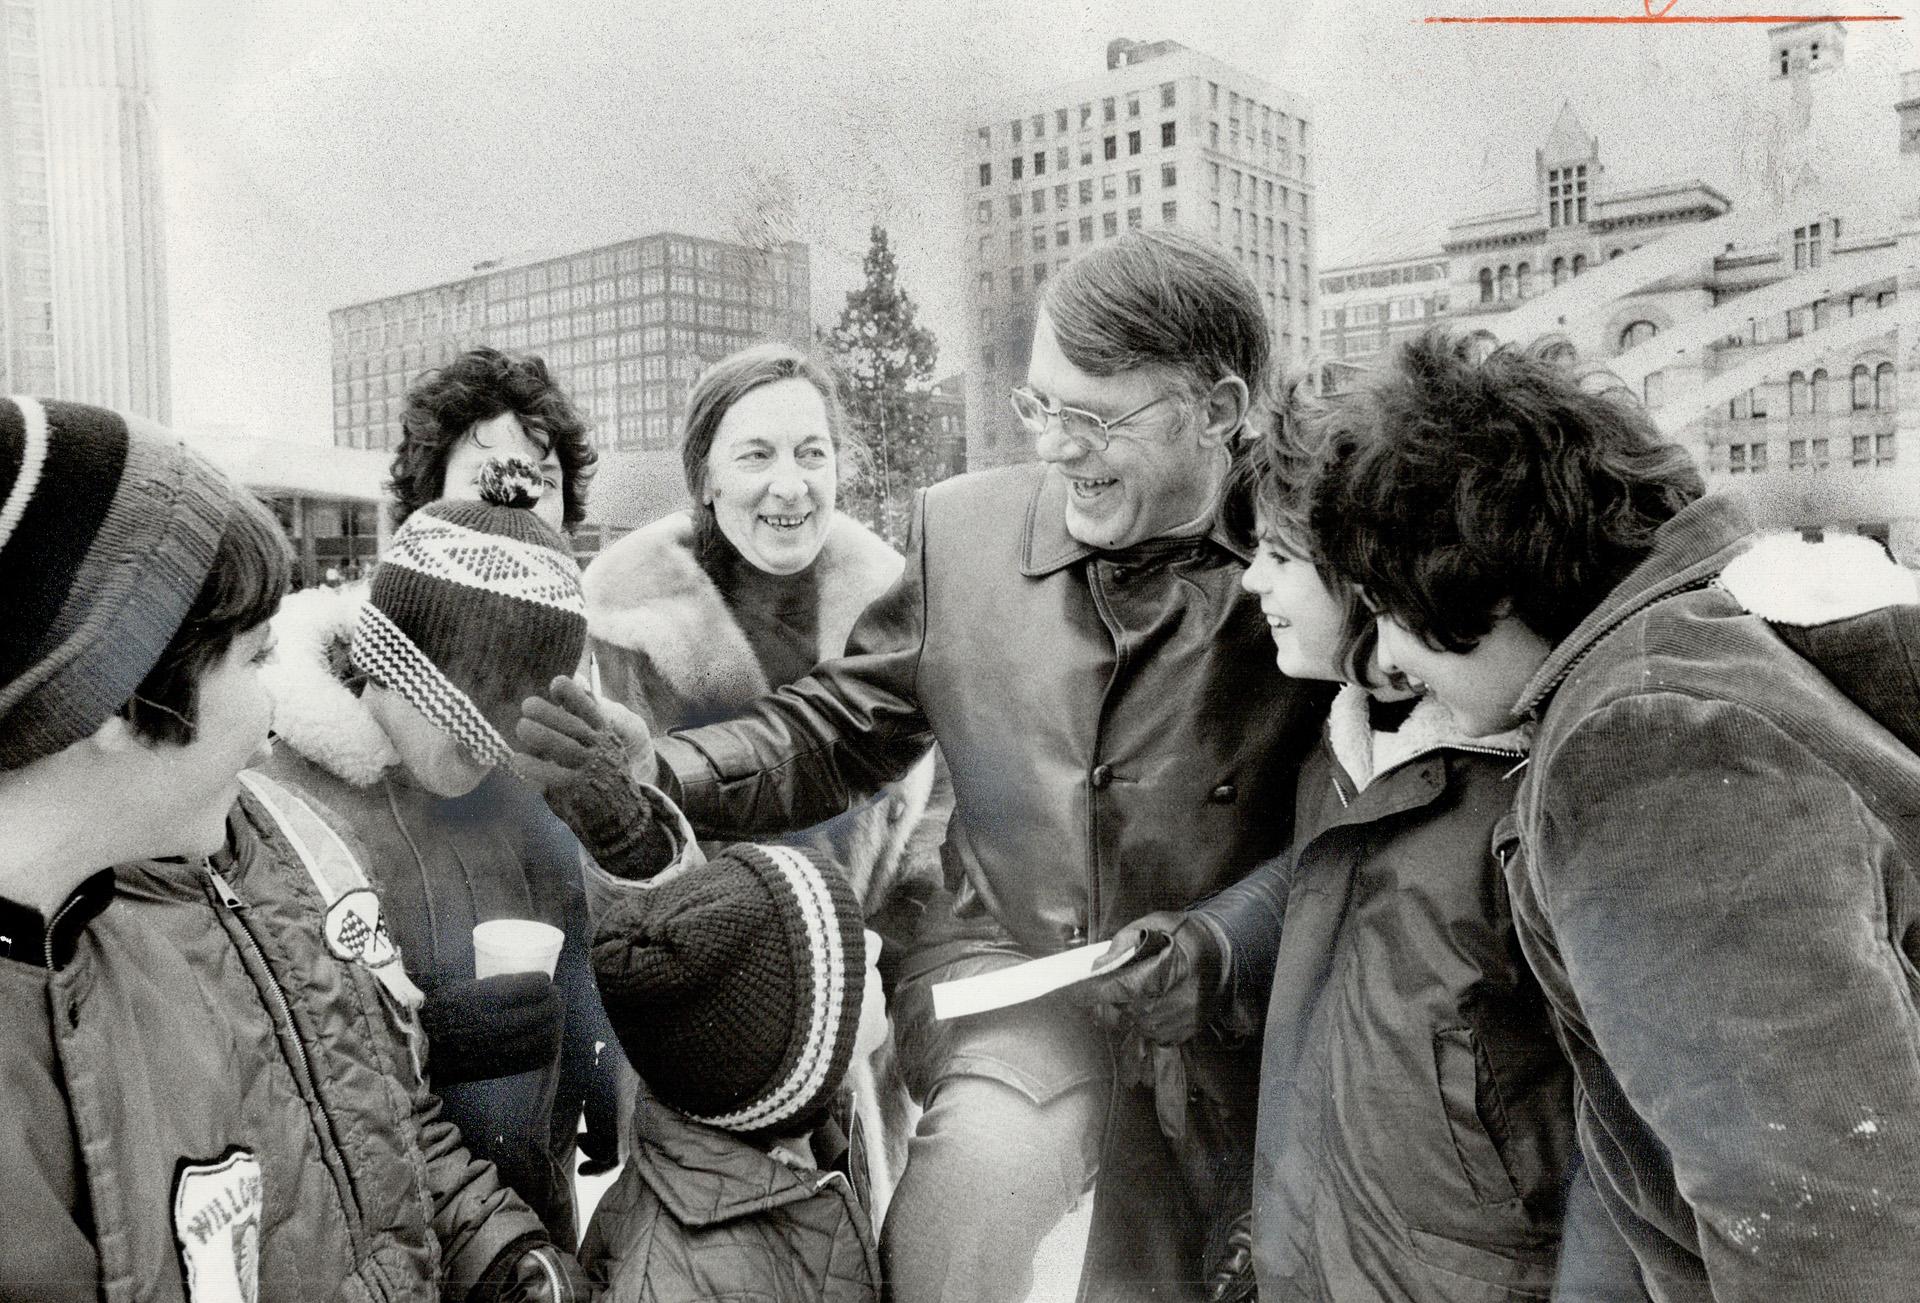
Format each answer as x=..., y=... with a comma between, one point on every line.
x=319, y=154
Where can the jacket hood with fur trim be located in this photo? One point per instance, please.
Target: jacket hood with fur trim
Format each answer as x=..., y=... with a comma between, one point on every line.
x=1366, y=754
x=314, y=711
x=648, y=594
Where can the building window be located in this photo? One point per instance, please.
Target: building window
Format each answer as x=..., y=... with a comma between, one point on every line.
x=1166, y=94
x=1579, y=263
x=1862, y=388
x=1061, y=159
x=1486, y=277
x=1863, y=450
x=1086, y=191
x=1133, y=219
x=1796, y=393
x=1039, y=162
x=1817, y=392
x=1167, y=135
x=1039, y=125
x=1168, y=176
x=1060, y=121
x=1106, y=109
x=1014, y=129
x=983, y=212
x=986, y=137
x=1017, y=280
x=1109, y=224
x=1216, y=214
x=1086, y=115
x=1169, y=213
x=1637, y=333
x=1133, y=106
x=1884, y=398
x=1107, y=190
x=1757, y=403
x=986, y=283
x=1806, y=246
x=1133, y=142
x=1086, y=230
x=986, y=174
x=1018, y=166
x=1133, y=183
x=1013, y=205
x=1883, y=449
x=1505, y=283
x=1111, y=148
x=1524, y=277
x=1060, y=196
x=1038, y=204
x=1060, y=237
x=1559, y=271
x=1039, y=241
x=1213, y=135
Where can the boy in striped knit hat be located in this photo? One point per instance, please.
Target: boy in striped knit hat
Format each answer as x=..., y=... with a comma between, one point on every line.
x=740, y=989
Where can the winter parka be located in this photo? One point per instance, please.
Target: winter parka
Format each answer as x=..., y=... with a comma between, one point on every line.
x=203, y=1102
x=442, y=865
x=1416, y=1114
x=1719, y=886
x=697, y=1213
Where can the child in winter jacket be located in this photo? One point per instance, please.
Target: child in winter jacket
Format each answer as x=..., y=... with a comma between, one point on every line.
x=390, y=704
x=741, y=989
x=209, y=1091
x=1415, y=1135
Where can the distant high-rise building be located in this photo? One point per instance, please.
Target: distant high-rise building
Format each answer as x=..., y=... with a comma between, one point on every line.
x=625, y=328
x=1368, y=307
x=1167, y=136
x=82, y=273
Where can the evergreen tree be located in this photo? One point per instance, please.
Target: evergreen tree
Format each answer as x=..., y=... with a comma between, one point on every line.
x=888, y=361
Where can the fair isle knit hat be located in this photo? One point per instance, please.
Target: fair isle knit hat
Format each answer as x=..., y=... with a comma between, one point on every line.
x=474, y=607
x=735, y=987
x=108, y=527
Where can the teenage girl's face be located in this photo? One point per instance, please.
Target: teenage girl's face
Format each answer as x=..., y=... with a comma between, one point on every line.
x=1306, y=618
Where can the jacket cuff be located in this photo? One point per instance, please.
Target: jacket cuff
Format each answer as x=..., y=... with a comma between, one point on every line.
x=494, y=1281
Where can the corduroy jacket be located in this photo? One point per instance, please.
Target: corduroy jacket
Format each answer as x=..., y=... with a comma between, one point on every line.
x=1416, y=1114
x=203, y=1093
x=697, y=1213
x=1719, y=886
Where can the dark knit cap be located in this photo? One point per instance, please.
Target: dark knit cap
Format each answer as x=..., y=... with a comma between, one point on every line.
x=474, y=607
x=108, y=527
x=735, y=987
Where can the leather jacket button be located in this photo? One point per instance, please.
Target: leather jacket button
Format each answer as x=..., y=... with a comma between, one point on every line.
x=1121, y=574
x=1223, y=794
x=1101, y=776
x=1077, y=937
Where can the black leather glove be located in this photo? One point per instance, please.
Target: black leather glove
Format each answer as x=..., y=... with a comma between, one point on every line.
x=591, y=774
x=491, y=1027
x=1171, y=988
x=532, y=1271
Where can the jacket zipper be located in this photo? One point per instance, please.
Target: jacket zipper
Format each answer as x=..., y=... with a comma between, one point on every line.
x=237, y=907
x=53, y=926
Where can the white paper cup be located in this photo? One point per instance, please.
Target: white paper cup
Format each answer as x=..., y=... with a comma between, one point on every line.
x=515, y=945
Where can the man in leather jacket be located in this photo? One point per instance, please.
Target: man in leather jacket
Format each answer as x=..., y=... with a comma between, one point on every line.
x=1073, y=636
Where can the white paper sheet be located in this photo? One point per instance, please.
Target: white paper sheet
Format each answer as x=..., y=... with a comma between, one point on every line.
x=1015, y=985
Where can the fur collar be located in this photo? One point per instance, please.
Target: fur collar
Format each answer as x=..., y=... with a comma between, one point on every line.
x=314, y=712
x=1366, y=755
x=648, y=594
x=1784, y=579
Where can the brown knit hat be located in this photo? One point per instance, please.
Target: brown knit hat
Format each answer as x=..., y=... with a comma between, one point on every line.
x=735, y=987
x=108, y=527
x=474, y=607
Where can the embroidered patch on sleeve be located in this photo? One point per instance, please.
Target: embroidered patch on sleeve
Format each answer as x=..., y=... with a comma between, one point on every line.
x=216, y=1222
x=356, y=930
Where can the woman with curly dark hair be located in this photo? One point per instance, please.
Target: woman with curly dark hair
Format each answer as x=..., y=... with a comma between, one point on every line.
x=486, y=404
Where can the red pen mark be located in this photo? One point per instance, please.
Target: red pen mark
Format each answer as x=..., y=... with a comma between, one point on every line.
x=1654, y=13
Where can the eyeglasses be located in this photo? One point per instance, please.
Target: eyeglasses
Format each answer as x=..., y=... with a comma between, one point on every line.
x=1091, y=432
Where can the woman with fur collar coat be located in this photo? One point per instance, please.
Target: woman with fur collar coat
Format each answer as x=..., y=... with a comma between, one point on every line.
x=695, y=616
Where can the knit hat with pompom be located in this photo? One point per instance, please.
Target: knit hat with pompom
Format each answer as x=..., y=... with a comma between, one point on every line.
x=735, y=987
x=474, y=607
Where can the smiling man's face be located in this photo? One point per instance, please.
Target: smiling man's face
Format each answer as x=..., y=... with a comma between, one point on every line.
x=1154, y=478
